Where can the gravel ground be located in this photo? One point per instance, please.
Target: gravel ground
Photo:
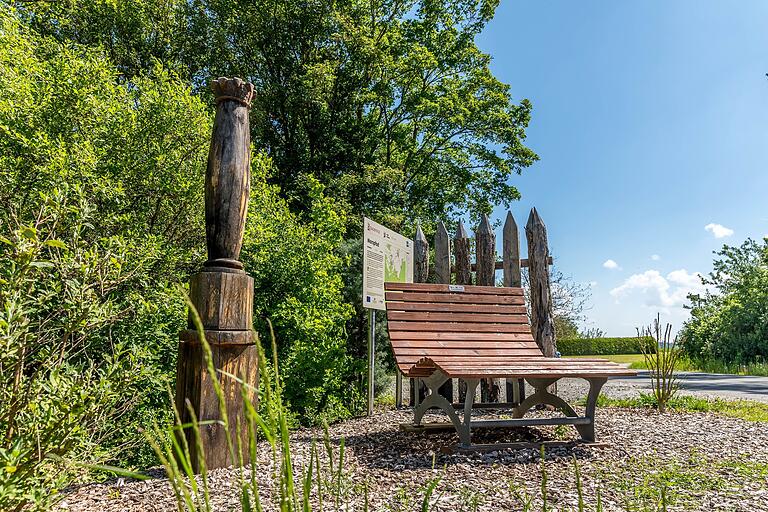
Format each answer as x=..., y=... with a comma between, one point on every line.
x=709, y=463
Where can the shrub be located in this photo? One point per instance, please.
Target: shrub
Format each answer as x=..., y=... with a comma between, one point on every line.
x=729, y=322
x=605, y=346
x=99, y=218
x=298, y=286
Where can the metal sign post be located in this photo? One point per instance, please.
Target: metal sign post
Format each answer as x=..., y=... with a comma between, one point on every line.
x=371, y=356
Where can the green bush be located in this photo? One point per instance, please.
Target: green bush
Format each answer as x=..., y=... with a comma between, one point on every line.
x=605, y=346
x=99, y=220
x=729, y=322
x=296, y=268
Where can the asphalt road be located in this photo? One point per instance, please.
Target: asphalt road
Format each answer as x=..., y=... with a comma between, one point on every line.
x=709, y=384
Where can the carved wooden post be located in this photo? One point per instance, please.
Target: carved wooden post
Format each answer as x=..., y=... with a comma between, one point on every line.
x=222, y=292
x=542, y=322
x=443, y=276
x=512, y=278
x=461, y=249
x=485, y=241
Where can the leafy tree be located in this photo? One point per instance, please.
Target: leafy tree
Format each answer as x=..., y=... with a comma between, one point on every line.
x=729, y=322
x=389, y=104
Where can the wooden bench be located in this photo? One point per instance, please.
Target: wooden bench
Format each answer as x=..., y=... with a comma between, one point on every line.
x=439, y=332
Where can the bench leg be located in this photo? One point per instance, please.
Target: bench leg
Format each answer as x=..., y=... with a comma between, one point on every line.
x=542, y=396
x=588, y=431
x=435, y=400
x=465, y=432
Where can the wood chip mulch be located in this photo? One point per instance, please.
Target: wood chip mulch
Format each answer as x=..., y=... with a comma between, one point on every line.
x=709, y=463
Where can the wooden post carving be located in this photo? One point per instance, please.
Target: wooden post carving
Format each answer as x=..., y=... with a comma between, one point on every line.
x=485, y=242
x=542, y=321
x=222, y=293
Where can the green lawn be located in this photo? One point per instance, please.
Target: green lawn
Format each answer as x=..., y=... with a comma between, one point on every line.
x=635, y=361
x=745, y=409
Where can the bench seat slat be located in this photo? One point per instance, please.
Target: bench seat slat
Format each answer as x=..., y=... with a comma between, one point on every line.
x=455, y=298
x=456, y=327
x=460, y=336
x=425, y=287
x=480, y=332
x=456, y=308
x=425, y=316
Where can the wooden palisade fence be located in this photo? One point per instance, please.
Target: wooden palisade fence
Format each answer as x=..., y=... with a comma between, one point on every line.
x=461, y=272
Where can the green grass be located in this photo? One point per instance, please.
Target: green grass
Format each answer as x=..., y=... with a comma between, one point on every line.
x=743, y=409
x=637, y=362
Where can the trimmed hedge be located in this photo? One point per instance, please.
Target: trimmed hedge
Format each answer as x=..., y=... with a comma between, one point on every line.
x=604, y=346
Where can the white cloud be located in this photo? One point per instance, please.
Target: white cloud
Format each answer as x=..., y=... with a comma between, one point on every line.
x=660, y=291
x=592, y=284
x=718, y=230
x=610, y=264
x=655, y=257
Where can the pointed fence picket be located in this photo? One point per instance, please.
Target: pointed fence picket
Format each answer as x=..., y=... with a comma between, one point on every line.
x=461, y=272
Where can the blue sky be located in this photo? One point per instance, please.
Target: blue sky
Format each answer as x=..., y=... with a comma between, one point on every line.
x=651, y=122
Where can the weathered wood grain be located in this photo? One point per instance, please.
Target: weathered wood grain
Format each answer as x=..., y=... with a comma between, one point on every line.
x=228, y=175
x=420, y=257
x=485, y=275
x=442, y=255
x=542, y=320
x=222, y=294
x=512, y=278
x=485, y=250
x=462, y=250
x=511, y=253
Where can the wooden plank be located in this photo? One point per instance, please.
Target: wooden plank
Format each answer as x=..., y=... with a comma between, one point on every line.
x=500, y=264
x=456, y=308
x=427, y=316
x=461, y=336
x=471, y=289
x=442, y=255
x=512, y=278
x=463, y=327
x=529, y=374
x=507, y=363
x=443, y=276
x=394, y=297
x=444, y=344
x=464, y=352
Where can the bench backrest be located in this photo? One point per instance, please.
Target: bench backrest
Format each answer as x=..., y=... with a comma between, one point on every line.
x=456, y=323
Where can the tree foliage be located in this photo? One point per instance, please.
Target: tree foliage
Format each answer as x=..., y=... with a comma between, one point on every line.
x=101, y=221
x=729, y=322
x=387, y=103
